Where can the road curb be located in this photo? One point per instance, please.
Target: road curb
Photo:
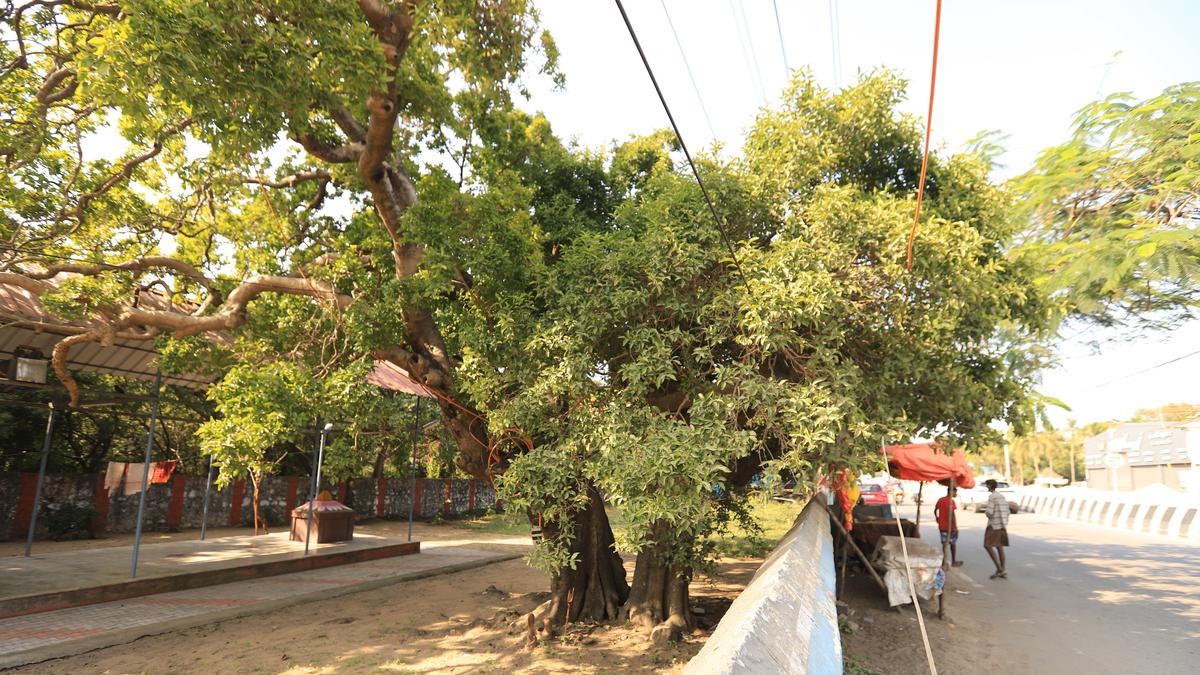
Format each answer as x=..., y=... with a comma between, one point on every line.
x=93, y=643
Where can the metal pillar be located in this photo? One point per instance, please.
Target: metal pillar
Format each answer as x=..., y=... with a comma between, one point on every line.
x=316, y=484
x=412, y=490
x=137, y=536
x=207, y=490
x=37, y=493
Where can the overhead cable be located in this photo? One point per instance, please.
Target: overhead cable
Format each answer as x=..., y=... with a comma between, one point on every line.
x=1145, y=370
x=679, y=136
x=699, y=98
x=835, y=43
x=787, y=70
x=755, y=81
x=937, y=29
x=753, y=52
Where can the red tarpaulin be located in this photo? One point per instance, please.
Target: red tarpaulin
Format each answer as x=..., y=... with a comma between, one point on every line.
x=920, y=461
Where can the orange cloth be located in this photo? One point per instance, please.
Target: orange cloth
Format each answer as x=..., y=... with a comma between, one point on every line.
x=160, y=472
x=921, y=461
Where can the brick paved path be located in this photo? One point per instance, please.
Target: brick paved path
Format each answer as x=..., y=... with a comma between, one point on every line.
x=28, y=639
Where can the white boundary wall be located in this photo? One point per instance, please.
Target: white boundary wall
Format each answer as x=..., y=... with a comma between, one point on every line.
x=785, y=621
x=1141, y=511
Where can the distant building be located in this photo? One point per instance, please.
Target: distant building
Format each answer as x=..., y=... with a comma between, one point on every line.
x=1134, y=455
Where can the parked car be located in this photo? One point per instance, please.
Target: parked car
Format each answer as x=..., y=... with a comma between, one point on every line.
x=873, y=493
x=976, y=498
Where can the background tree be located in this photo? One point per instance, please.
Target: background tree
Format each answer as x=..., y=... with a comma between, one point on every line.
x=1171, y=412
x=1112, y=213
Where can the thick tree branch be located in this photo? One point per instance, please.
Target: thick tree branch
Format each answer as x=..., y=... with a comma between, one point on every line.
x=350, y=126
x=342, y=154
x=153, y=322
x=122, y=174
x=290, y=181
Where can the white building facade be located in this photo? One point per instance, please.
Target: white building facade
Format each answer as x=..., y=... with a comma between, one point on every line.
x=1138, y=454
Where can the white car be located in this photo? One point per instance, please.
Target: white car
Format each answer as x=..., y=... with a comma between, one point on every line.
x=976, y=498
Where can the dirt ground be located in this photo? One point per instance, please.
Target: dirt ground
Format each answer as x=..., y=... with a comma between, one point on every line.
x=467, y=622
x=878, y=640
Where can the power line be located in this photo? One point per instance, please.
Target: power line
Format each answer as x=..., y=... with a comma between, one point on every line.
x=782, y=47
x=1146, y=370
x=688, y=66
x=746, y=56
x=835, y=43
x=679, y=136
x=753, y=52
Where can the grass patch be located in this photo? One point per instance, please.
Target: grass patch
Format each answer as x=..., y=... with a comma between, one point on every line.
x=775, y=519
x=494, y=523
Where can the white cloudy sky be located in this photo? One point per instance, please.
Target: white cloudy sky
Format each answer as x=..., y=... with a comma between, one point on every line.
x=1018, y=66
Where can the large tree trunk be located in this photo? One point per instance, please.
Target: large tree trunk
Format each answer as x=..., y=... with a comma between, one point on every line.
x=658, y=601
x=596, y=588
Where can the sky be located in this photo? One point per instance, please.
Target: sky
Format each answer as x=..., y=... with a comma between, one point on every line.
x=1020, y=67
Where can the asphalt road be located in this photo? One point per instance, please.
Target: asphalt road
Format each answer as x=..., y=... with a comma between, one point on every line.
x=1080, y=599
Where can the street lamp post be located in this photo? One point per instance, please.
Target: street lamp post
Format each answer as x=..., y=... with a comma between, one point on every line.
x=316, y=483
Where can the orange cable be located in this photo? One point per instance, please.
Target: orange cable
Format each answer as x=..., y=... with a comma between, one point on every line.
x=937, y=29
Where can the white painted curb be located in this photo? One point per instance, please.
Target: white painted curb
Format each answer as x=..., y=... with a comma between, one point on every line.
x=1127, y=511
x=785, y=621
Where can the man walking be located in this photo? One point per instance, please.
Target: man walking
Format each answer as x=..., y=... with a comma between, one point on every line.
x=995, y=537
x=948, y=523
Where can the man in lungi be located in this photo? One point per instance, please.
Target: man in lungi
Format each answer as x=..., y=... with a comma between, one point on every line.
x=995, y=537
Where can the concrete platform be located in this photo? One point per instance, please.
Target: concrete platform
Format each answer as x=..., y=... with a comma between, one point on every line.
x=75, y=578
x=47, y=635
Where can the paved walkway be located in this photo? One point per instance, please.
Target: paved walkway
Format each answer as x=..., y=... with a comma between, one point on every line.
x=46, y=572
x=37, y=637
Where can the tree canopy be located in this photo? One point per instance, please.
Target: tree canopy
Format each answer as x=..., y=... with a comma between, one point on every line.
x=1112, y=213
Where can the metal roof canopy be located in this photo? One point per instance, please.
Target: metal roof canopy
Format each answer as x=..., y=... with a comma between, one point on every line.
x=28, y=323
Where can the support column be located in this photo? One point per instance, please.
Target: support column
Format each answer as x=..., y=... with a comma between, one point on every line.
x=41, y=477
x=137, y=533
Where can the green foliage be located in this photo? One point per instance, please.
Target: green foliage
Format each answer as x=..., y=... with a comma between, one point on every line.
x=269, y=410
x=260, y=409
x=655, y=367
x=1112, y=212
x=1172, y=412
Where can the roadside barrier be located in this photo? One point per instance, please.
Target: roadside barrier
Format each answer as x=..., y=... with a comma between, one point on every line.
x=785, y=621
x=1169, y=515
